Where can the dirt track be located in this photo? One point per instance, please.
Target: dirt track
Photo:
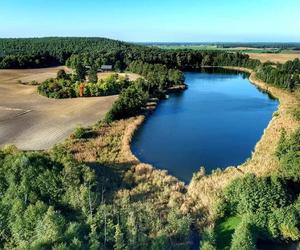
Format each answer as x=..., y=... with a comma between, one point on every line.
x=31, y=121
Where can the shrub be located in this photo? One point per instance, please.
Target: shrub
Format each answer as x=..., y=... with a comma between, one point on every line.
x=284, y=222
x=128, y=104
x=243, y=238
x=61, y=74
x=161, y=242
x=288, y=152
x=79, y=133
x=57, y=88
x=208, y=241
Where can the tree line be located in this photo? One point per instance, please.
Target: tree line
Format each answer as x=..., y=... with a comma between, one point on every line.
x=158, y=76
x=41, y=52
x=285, y=75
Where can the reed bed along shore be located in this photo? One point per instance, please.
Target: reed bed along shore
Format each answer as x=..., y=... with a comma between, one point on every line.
x=203, y=191
x=111, y=146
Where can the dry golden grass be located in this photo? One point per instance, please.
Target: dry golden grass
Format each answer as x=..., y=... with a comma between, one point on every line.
x=272, y=57
x=111, y=147
x=12, y=76
x=131, y=76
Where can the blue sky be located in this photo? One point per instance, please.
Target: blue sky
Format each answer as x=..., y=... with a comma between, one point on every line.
x=155, y=20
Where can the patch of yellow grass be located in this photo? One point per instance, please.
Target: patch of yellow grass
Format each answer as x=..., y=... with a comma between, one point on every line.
x=131, y=76
x=111, y=147
x=274, y=57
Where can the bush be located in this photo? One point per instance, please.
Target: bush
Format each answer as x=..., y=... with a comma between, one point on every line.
x=128, y=104
x=208, y=241
x=79, y=133
x=57, y=88
x=288, y=152
x=243, y=238
x=284, y=222
x=161, y=242
x=61, y=74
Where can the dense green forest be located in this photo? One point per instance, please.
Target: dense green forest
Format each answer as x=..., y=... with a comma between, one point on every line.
x=51, y=201
x=41, y=52
x=158, y=75
x=285, y=75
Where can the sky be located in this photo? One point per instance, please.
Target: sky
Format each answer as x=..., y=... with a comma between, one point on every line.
x=154, y=20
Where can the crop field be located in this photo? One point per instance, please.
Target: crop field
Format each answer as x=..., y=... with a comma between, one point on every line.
x=31, y=121
x=217, y=48
x=276, y=58
x=272, y=54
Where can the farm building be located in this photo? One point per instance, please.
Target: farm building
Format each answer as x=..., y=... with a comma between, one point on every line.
x=106, y=68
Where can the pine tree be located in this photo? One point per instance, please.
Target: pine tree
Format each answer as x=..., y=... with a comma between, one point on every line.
x=119, y=239
x=80, y=72
x=93, y=78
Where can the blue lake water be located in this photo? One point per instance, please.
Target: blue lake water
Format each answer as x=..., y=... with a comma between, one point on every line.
x=215, y=123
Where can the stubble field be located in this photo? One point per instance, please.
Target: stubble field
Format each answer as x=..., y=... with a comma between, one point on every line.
x=34, y=122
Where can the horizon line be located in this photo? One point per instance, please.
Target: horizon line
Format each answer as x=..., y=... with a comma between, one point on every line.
x=156, y=42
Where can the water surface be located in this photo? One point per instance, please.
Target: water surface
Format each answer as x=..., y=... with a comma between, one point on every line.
x=215, y=123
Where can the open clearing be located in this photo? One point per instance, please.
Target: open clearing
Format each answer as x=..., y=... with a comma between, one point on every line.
x=274, y=57
x=131, y=76
x=34, y=122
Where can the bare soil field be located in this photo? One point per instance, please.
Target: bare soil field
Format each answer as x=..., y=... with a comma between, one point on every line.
x=34, y=122
x=272, y=57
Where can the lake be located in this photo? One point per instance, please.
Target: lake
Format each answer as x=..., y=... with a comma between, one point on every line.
x=215, y=123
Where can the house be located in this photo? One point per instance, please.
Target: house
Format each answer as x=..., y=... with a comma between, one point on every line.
x=106, y=68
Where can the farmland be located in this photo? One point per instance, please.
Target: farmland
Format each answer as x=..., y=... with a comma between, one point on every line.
x=276, y=53
x=275, y=58
x=31, y=121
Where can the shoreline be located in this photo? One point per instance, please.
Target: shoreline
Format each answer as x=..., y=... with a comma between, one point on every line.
x=263, y=160
x=203, y=190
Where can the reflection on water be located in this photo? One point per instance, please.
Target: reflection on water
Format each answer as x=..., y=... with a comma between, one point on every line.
x=215, y=123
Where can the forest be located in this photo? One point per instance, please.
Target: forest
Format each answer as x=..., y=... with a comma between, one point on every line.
x=52, y=200
x=42, y=52
x=285, y=75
